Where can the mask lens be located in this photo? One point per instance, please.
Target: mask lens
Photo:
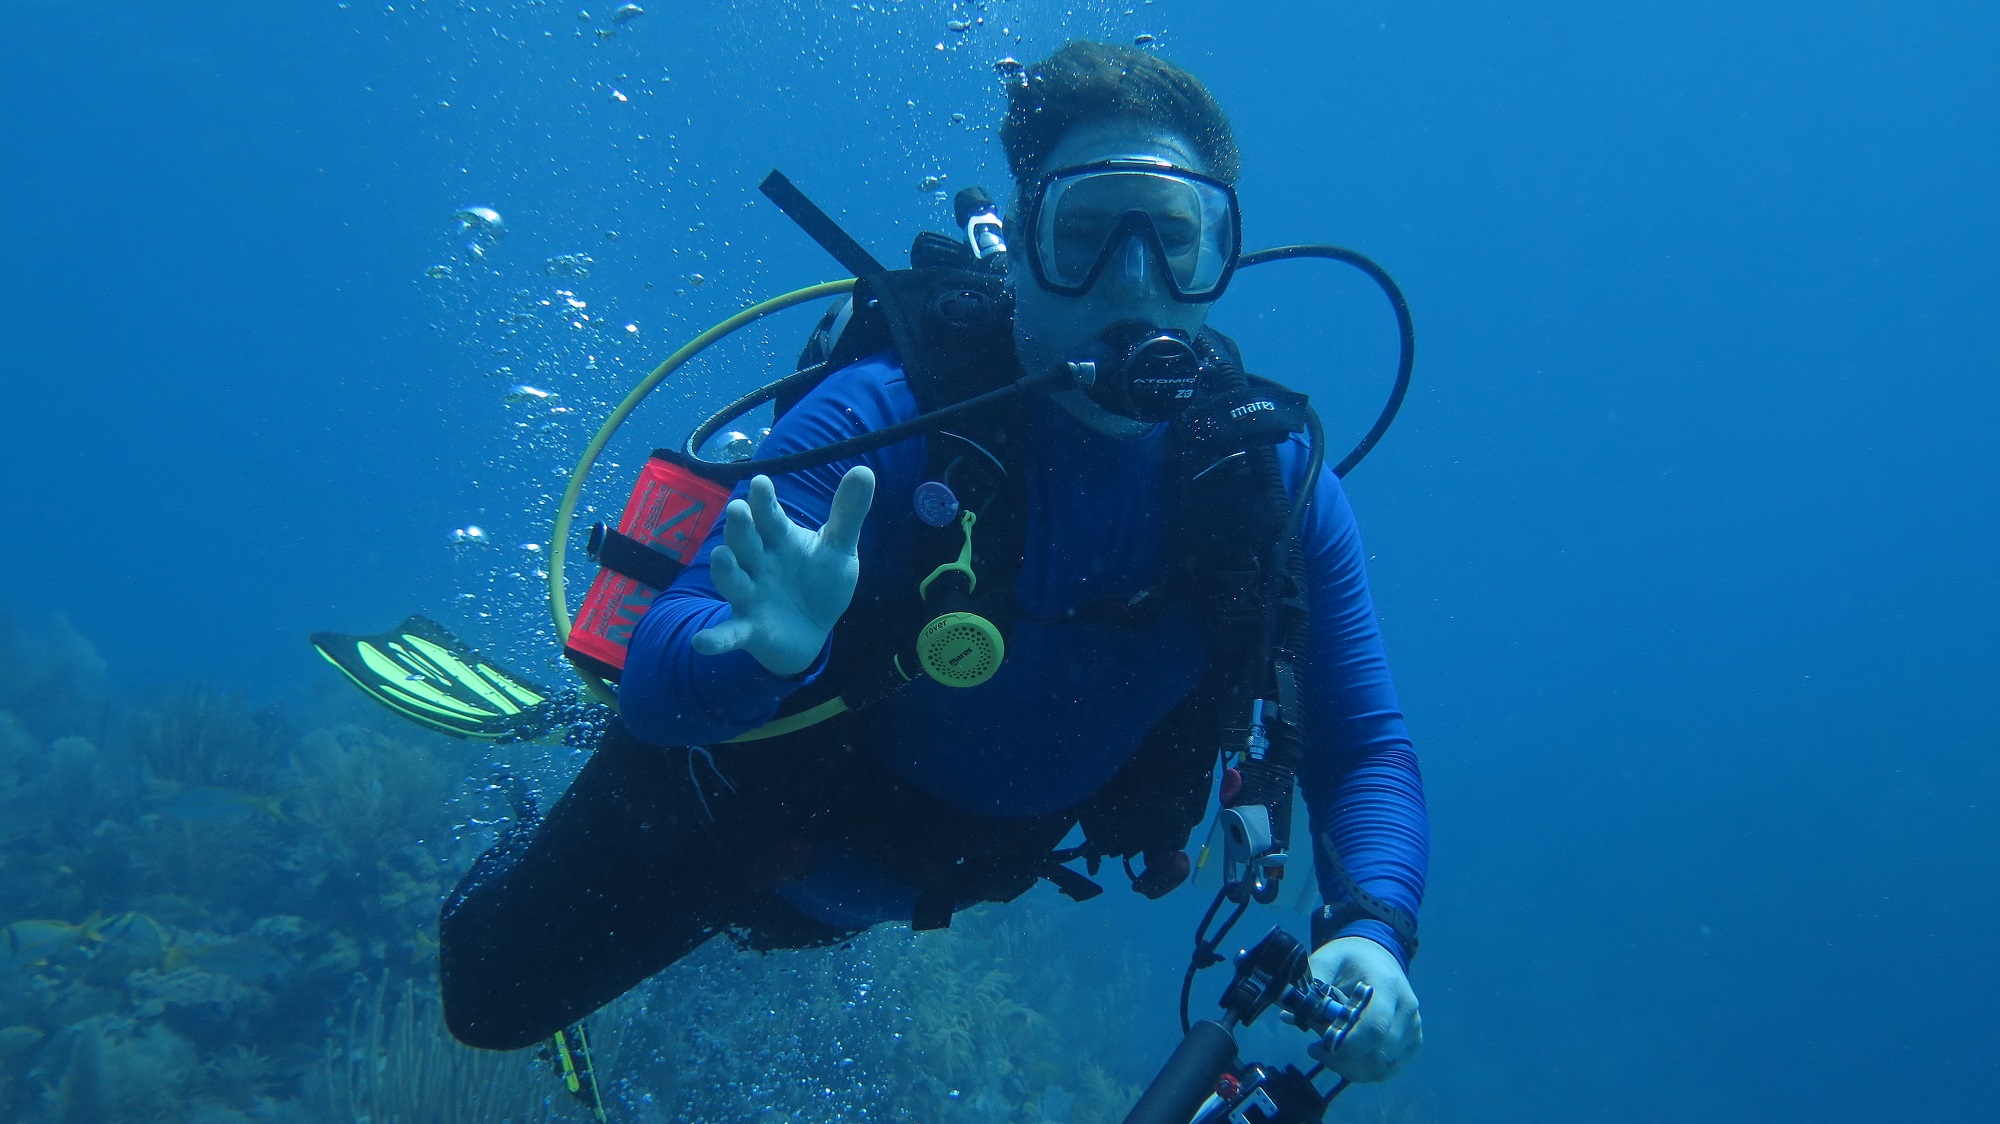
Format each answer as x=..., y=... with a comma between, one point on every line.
x=1083, y=213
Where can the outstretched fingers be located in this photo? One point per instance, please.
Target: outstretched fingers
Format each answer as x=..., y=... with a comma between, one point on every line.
x=773, y=525
x=735, y=585
x=741, y=538
x=851, y=501
x=740, y=589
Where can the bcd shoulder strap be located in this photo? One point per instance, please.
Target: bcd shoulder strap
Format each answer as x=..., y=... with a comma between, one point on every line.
x=952, y=331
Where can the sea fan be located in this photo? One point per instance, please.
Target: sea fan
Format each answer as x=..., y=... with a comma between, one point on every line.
x=398, y=1064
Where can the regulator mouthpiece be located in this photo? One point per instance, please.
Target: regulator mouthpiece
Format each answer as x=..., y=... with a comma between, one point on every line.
x=1146, y=373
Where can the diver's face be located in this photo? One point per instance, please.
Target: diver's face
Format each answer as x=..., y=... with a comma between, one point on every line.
x=1050, y=328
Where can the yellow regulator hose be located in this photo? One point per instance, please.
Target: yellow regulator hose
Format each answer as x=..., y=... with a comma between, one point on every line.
x=566, y=510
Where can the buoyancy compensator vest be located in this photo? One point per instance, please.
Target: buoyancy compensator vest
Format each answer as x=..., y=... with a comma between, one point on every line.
x=1234, y=559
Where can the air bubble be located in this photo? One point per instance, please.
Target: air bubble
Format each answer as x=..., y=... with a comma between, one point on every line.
x=480, y=229
x=731, y=447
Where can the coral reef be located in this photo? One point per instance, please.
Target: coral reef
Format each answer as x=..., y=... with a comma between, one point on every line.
x=191, y=888
x=213, y=914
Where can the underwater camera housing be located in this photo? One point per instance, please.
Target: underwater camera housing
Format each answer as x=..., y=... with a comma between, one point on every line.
x=1203, y=1082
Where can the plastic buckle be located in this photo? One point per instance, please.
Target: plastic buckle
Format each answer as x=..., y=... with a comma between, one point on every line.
x=985, y=234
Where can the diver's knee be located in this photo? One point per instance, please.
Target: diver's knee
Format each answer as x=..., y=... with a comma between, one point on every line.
x=481, y=1033
x=480, y=1012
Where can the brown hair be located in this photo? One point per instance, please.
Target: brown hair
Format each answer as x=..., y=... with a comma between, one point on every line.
x=1087, y=81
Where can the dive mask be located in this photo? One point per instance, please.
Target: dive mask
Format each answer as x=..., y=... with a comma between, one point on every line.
x=1148, y=214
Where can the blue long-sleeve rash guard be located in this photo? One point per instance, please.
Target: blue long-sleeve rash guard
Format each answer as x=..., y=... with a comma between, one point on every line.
x=1073, y=700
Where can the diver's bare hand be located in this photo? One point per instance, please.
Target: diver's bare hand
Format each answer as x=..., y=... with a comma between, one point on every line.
x=1390, y=1030
x=786, y=585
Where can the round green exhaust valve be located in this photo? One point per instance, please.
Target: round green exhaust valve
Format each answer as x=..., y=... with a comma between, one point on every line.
x=961, y=649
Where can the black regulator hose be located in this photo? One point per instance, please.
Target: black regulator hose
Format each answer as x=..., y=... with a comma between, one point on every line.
x=731, y=471
x=1405, y=328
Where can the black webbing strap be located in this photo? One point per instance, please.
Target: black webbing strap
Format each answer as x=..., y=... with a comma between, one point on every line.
x=935, y=904
x=623, y=554
x=819, y=226
x=1074, y=886
x=1329, y=919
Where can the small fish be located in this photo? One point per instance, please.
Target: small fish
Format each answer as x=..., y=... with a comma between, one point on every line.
x=37, y=940
x=135, y=934
x=930, y=183
x=522, y=392
x=626, y=13
x=469, y=535
x=214, y=803
x=128, y=943
x=1143, y=40
x=439, y=272
x=958, y=25
x=422, y=947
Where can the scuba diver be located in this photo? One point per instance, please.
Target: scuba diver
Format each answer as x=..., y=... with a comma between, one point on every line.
x=1021, y=553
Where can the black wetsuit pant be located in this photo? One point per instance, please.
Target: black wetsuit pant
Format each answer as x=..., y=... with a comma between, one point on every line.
x=651, y=852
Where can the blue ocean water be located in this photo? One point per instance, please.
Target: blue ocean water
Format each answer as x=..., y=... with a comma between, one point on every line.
x=1683, y=544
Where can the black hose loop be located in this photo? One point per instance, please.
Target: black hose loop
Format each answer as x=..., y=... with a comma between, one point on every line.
x=1405, y=328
